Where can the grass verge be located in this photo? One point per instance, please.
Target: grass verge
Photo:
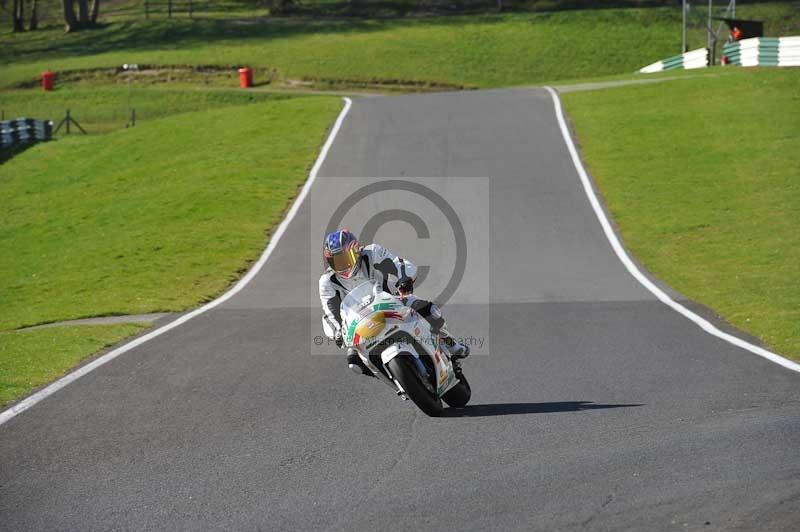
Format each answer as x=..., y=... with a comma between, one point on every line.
x=155, y=218
x=161, y=217
x=701, y=177
x=29, y=359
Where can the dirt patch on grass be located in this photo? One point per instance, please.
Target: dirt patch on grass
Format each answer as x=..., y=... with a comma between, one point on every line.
x=228, y=76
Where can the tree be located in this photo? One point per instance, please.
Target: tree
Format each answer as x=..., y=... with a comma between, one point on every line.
x=34, y=22
x=18, y=15
x=70, y=20
x=83, y=13
x=84, y=18
x=95, y=12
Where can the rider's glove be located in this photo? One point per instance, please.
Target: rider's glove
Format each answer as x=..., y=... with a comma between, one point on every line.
x=405, y=285
x=338, y=339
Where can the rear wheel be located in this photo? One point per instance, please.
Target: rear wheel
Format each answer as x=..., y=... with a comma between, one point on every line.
x=458, y=396
x=404, y=369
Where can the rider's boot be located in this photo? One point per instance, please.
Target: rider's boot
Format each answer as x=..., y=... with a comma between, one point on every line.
x=456, y=367
x=433, y=314
x=457, y=350
x=357, y=365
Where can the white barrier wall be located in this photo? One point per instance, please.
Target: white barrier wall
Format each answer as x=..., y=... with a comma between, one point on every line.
x=764, y=51
x=694, y=59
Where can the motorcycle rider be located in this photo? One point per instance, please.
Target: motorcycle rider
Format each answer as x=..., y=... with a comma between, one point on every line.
x=349, y=264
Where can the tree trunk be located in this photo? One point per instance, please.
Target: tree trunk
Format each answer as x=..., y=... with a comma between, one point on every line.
x=95, y=11
x=18, y=15
x=83, y=12
x=70, y=22
x=34, y=23
x=499, y=5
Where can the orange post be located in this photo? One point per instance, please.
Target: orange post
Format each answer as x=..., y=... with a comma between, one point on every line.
x=48, y=80
x=245, y=77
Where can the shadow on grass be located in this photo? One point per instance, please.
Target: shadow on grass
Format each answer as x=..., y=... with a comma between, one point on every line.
x=507, y=409
x=402, y=8
x=143, y=36
x=6, y=154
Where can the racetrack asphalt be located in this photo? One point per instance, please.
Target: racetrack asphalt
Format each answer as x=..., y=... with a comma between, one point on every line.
x=596, y=406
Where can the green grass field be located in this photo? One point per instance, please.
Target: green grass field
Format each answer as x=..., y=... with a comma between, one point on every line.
x=163, y=216
x=159, y=217
x=107, y=108
x=477, y=51
x=701, y=176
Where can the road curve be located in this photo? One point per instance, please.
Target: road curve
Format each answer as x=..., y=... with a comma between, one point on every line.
x=595, y=406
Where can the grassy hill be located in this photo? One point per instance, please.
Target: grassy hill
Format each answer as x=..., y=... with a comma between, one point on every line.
x=473, y=51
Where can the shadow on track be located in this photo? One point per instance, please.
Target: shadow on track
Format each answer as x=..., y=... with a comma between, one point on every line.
x=507, y=409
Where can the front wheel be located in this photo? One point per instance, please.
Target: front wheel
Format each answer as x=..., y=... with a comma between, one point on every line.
x=458, y=396
x=403, y=368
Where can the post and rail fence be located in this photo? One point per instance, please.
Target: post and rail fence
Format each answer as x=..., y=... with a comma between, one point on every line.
x=68, y=121
x=154, y=7
x=50, y=13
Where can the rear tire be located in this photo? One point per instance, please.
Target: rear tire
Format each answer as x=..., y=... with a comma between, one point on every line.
x=458, y=396
x=403, y=368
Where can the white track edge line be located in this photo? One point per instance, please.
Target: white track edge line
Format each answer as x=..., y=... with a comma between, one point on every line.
x=273, y=242
x=631, y=267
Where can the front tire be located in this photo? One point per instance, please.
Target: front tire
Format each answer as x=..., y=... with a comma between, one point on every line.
x=458, y=396
x=404, y=370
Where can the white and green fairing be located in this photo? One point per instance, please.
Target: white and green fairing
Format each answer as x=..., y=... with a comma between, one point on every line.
x=370, y=315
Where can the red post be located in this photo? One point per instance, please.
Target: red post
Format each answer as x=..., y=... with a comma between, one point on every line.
x=48, y=80
x=245, y=77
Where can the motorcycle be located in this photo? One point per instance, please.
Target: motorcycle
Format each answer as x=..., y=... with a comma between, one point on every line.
x=398, y=347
